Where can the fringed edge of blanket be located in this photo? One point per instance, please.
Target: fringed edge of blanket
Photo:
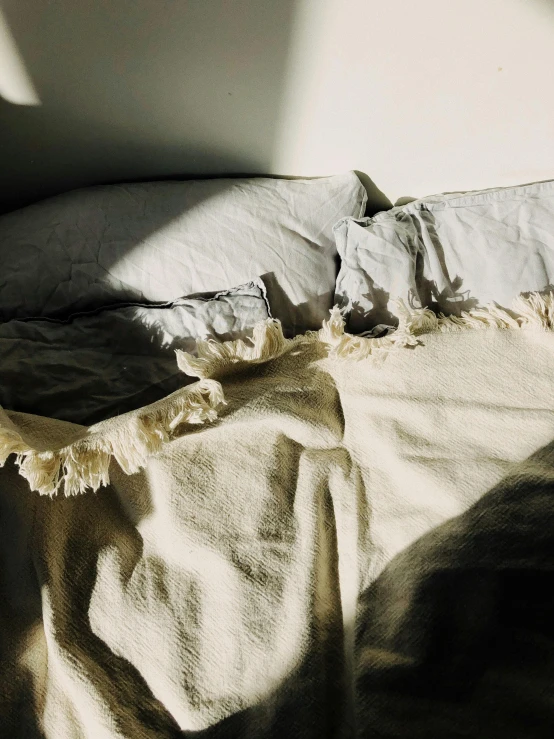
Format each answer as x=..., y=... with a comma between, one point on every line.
x=216, y=359
x=535, y=311
x=131, y=438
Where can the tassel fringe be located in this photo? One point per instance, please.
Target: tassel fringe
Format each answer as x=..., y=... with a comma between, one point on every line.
x=130, y=439
x=215, y=359
x=533, y=312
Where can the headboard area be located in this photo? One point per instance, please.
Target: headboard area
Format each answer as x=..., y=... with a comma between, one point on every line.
x=421, y=97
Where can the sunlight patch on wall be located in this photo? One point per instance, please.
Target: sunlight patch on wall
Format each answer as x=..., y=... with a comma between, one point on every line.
x=423, y=97
x=16, y=85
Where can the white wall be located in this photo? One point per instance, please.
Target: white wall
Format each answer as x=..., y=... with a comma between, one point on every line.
x=137, y=89
x=425, y=97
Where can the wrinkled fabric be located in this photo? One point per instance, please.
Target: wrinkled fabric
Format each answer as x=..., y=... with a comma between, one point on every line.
x=158, y=241
x=100, y=364
x=452, y=253
x=351, y=550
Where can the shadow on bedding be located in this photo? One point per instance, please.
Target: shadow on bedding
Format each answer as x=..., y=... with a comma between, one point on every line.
x=22, y=644
x=97, y=376
x=86, y=560
x=456, y=636
x=102, y=364
x=450, y=301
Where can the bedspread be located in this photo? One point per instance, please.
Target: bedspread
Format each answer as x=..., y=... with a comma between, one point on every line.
x=329, y=536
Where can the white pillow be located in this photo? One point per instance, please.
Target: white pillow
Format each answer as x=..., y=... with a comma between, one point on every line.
x=449, y=252
x=113, y=360
x=158, y=241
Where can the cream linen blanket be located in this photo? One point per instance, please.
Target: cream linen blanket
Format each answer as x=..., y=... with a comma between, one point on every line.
x=324, y=537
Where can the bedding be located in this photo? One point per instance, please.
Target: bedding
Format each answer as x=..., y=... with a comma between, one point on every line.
x=154, y=242
x=358, y=543
x=447, y=252
x=106, y=362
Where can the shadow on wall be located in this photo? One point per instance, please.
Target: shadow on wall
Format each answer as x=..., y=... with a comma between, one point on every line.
x=141, y=89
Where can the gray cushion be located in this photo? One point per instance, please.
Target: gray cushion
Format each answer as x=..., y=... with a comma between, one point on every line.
x=449, y=252
x=100, y=364
x=154, y=242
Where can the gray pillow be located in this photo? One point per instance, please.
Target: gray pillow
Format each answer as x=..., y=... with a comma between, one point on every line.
x=100, y=364
x=154, y=242
x=448, y=252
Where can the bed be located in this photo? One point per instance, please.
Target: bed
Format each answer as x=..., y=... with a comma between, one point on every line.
x=271, y=467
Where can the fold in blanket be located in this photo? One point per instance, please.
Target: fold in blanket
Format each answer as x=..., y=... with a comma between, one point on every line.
x=343, y=549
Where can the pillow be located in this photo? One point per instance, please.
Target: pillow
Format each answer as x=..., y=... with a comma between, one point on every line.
x=449, y=252
x=117, y=359
x=154, y=242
